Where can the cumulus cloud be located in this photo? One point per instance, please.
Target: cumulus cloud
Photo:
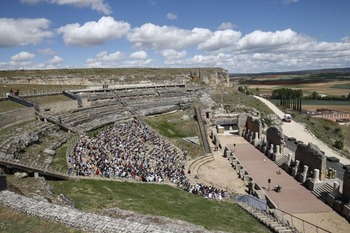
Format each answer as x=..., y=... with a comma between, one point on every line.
x=166, y=37
x=260, y=41
x=15, y=32
x=55, y=60
x=171, y=54
x=139, y=55
x=104, y=59
x=22, y=56
x=227, y=25
x=220, y=39
x=171, y=16
x=97, y=5
x=346, y=39
x=94, y=33
x=137, y=63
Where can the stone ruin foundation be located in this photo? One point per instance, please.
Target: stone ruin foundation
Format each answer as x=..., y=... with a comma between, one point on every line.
x=274, y=146
x=308, y=158
x=250, y=127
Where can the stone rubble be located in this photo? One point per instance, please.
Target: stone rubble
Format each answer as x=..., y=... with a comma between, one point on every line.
x=92, y=222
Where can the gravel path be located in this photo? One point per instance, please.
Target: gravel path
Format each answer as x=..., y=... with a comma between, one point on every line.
x=298, y=131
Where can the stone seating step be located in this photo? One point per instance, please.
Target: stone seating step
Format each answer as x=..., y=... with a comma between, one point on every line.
x=321, y=192
x=266, y=219
x=282, y=160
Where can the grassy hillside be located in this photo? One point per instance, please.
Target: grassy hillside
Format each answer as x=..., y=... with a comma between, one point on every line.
x=160, y=200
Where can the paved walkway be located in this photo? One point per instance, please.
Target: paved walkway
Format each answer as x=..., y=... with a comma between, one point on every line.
x=294, y=198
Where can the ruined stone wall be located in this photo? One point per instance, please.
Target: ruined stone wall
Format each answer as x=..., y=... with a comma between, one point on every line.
x=60, y=106
x=346, y=185
x=274, y=135
x=16, y=115
x=311, y=156
x=254, y=124
x=242, y=121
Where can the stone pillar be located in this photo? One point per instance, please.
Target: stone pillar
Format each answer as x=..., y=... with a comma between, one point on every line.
x=336, y=186
x=36, y=175
x=289, y=159
x=278, y=150
x=271, y=151
x=303, y=175
x=316, y=175
x=295, y=168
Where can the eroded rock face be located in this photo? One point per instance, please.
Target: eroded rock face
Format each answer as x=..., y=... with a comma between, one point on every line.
x=213, y=76
x=274, y=135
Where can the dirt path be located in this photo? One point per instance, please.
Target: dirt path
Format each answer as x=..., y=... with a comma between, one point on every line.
x=298, y=131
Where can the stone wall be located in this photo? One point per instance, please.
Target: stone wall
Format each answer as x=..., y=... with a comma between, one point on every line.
x=16, y=115
x=311, y=156
x=275, y=137
x=242, y=121
x=254, y=125
x=60, y=106
x=346, y=184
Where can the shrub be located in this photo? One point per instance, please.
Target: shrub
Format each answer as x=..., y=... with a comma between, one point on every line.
x=339, y=144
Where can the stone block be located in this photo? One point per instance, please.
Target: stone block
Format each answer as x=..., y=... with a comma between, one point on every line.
x=3, y=183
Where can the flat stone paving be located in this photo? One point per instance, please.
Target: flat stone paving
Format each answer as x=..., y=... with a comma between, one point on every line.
x=92, y=222
x=293, y=198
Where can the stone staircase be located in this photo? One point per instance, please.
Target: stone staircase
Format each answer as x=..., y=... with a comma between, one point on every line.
x=281, y=161
x=198, y=162
x=322, y=191
x=266, y=219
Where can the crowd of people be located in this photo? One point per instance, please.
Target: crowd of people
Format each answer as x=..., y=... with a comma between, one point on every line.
x=131, y=150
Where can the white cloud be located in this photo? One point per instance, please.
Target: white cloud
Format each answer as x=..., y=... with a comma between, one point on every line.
x=166, y=37
x=227, y=25
x=15, y=32
x=346, y=39
x=22, y=56
x=97, y=5
x=264, y=41
x=171, y=54
x=289, y=1
x=55, y=60
x=31, y=2
x=94, y=33
x=47, y=51
x=104, y=59
x=137, y=63
x=220, y=39
x=171, y=16
x=140, y=55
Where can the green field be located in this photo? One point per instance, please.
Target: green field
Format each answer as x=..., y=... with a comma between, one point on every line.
x=160, y=200
x=341, y=86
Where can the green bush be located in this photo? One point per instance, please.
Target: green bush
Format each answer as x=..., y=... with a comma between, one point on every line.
x=339, y=144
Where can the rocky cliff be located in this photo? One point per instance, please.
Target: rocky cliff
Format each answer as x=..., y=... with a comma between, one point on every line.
x=211, y=76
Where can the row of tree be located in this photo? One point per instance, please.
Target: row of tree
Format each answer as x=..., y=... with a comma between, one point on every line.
x=289, y=98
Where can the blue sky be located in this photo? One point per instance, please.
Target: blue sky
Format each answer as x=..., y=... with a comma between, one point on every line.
x=238, y=35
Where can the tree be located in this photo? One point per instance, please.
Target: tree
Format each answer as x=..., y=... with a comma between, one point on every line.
x=315, y=95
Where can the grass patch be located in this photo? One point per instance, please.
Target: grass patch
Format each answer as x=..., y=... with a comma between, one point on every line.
x=60, y=159
x=341, y=86
x=7, y=105
x=176, y=126
x=161, y=200
x=30, y=89
x=14, y=222
x=234, y=101
x=49, y=99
